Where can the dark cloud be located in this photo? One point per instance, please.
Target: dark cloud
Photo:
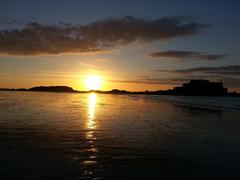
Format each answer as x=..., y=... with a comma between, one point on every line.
x=36, y=39
x=138, y=81
x=187, y=55
x=160, y=81
x=222, y=70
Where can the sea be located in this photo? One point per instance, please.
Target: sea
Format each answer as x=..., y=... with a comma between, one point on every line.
x=46, y=135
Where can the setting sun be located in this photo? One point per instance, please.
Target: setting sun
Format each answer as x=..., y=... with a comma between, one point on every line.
x=93, y=82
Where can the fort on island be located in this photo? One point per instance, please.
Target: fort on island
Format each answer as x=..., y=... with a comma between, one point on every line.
x=201, y=87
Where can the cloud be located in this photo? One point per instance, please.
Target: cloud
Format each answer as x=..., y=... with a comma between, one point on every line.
x=229, y=75
x=222, y=70
x=160, y=81
x=38, y=39
x=187, y=55
x=140, y=81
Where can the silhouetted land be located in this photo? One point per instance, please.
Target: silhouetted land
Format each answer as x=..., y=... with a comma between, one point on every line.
x=52, y=89
x=193, y=88
x=201, y=87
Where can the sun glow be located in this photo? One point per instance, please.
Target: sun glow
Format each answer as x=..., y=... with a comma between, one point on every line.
x=93, y=82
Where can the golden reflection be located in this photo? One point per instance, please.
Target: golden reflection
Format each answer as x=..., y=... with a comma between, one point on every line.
x=91, y=111
x=92, y=150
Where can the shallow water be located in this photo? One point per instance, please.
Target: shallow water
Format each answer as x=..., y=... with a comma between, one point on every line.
x=201, y=102
x=87, y=136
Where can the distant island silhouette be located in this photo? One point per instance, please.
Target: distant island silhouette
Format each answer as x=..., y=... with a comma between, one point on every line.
x=193, y=88
x=52, y=89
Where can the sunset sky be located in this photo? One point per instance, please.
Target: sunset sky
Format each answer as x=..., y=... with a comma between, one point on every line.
x=129, y=44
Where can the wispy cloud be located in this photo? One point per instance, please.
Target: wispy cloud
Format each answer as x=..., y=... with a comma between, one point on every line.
x=187, y=55
x=159, y=81
x=222, y=70
x=39, y=39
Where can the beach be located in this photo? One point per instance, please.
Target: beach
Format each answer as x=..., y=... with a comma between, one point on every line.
x=102, y=136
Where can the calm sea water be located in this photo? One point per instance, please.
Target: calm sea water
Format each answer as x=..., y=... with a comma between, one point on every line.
x=87, y=136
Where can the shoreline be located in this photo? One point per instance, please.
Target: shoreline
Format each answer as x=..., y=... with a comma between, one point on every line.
x=122, y=92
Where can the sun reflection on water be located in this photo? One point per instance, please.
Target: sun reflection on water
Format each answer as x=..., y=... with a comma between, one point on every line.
x=92, y=150
x=91, y=111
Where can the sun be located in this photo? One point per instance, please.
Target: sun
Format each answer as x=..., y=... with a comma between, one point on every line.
x=93, y=82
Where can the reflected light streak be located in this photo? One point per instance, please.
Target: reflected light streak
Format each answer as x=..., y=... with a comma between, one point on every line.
x=90, y=137
x=91, y=111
